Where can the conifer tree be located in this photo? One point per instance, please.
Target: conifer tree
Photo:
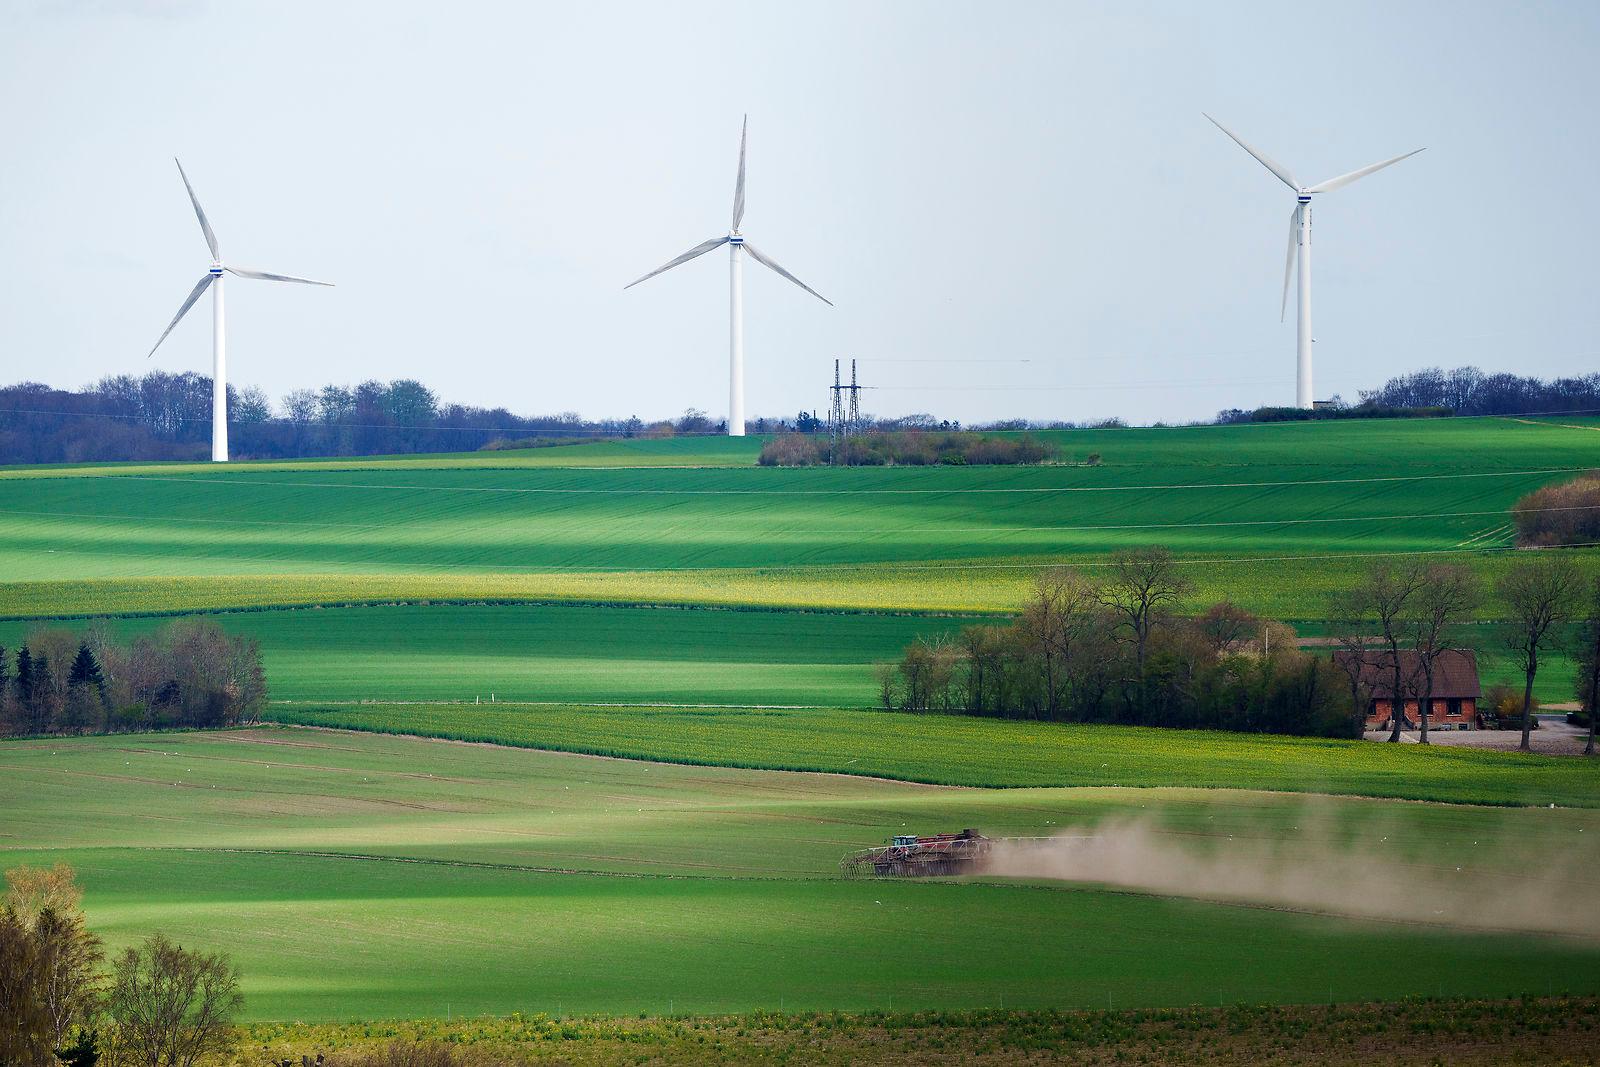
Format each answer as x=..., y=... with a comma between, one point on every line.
x=85, y=671
x=24, y=675
x=86, y=690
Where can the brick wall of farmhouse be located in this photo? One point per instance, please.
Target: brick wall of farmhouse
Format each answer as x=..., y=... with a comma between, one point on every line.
x=1465, y=710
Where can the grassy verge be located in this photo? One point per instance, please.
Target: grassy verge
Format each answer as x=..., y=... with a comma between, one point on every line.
x=960, y=750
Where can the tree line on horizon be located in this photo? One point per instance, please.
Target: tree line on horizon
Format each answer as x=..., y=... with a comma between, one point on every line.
x=1434, y=392
x=164, y=416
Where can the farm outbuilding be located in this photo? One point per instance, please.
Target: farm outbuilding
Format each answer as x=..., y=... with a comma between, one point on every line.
x=1455, y=688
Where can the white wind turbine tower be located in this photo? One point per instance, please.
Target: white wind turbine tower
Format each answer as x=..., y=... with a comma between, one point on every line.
x=1300, y=240
x=737, y=245
x=212, y=279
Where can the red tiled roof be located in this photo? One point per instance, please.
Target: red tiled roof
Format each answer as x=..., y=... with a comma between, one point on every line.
x=1455, y=673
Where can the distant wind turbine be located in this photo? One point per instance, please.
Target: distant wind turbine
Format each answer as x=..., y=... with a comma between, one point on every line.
x=736, y=245
x=219, y=342
x=1300, y=239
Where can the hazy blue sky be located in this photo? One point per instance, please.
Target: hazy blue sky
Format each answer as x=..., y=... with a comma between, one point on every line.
x=973, y=184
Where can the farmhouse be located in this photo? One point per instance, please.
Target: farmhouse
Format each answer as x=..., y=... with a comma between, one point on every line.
x=1455, y=688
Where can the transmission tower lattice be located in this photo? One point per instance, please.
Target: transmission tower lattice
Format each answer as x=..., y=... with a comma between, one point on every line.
x=853, y=425
x=835, y=417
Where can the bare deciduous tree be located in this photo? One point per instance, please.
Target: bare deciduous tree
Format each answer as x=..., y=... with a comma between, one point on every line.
x=1055, y=618
x=986, y=652
x=69, y=971
x=169, y=1006
x=1381, y=598
x=1144, y=584
x=1540, y=594
x=1227, y=627
x=1445, y=598
x=887, y=675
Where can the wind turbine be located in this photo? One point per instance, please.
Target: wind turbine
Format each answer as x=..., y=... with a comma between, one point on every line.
x=212, y=279
x=737, y=246
x=1300, y=240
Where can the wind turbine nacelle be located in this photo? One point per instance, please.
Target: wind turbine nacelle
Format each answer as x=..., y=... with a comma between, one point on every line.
x=1304, y=198
x=216, y=270
x=735, y=239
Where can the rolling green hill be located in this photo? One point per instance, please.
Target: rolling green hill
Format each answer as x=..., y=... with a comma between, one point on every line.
x=357, y=876
x=1274, y=516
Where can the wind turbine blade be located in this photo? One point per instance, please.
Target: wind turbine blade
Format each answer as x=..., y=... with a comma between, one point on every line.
x=245, y=272
x=1288, y=263
x=200, y=213
x=1266, y=161
x=1356, y=175
x=738, y=189
x=200, y=287
x=698, y=250
x=762, y=259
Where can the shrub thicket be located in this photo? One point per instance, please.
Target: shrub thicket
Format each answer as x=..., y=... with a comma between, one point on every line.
x=910, y=448
x=1564, y=514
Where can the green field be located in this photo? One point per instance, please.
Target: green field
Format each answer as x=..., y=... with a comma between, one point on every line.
x=569, y=653
x=1275, y=516
x=355, y=876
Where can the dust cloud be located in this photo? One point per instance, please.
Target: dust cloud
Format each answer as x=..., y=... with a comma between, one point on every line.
x=1512, y=887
